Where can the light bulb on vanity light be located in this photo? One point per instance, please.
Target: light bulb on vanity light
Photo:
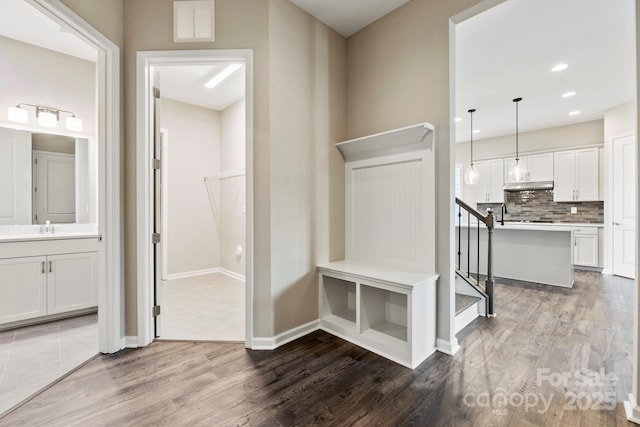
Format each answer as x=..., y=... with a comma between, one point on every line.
x=18, y=115
x=74, y=124
x=47, y=119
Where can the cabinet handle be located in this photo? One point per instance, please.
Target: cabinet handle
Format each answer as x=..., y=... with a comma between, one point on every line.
x=42, y=271
x=50, y=269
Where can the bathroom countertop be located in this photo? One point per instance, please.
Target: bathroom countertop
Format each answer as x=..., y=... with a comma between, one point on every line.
x=11, y=238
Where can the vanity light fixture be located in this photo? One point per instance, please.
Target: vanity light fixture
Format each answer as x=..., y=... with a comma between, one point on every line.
x=471, y=174
x=518, y=172
x=218, y=78
x=47, y=116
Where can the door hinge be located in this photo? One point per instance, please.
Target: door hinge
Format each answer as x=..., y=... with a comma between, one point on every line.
x=155, y=311
x=156, y=92
x=155, y=238
x=35, y=189
x=35, y=161
x=156, y=164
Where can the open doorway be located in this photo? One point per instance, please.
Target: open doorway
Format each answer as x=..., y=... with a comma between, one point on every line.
x=200, y=265
x=194, y=195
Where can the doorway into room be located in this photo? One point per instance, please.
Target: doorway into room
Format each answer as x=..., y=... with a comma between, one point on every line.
x=196, y=279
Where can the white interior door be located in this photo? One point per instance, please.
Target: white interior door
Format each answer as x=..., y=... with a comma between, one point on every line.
x=54, y=177
x=624, y=206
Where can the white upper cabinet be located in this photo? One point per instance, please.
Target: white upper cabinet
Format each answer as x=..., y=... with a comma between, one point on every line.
x=539, y=167
x=576, y=175
x=489, y=188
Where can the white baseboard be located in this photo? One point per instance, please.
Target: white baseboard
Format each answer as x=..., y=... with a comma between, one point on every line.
x=271, y=343
x=231, y=274
x=447, y=347
x=203, y=272
x=131, y=342
x=192, y=273
x=632, y=410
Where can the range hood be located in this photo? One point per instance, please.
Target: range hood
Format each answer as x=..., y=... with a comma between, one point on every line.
x=531, y=185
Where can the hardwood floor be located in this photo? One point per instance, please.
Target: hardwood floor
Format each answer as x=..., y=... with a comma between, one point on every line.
x=540, y=333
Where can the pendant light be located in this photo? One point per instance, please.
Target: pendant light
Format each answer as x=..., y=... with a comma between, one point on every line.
x=471, y=174
x=518, y=172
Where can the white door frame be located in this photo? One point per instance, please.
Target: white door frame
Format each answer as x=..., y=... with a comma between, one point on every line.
x=110, y=272
x=145, y=63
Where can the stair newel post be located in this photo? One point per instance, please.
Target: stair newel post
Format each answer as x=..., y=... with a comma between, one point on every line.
x=490, y=283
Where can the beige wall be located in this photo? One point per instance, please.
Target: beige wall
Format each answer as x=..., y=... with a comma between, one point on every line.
x=620, y=121
x=557, y=138
x=193, y=152
x=306, y=72
x=233, y=189
x=33, y=75
x=240, y=24
x=398, y=75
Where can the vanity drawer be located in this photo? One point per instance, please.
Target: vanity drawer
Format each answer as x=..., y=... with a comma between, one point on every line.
x=48, y=247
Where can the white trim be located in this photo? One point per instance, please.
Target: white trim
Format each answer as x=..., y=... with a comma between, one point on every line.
x=467, y=316
x=632, y=410
x=195, y=273
x=111, y=273
x=131, y=342
x=146, y=60
x=231, y=274
x=447, y=347
x=271, y=343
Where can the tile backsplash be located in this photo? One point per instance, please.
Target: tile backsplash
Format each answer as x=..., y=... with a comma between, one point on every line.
x=538, y=205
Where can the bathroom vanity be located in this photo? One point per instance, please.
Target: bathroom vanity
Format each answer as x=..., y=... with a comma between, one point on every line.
x=49, y=240
x=47, y=276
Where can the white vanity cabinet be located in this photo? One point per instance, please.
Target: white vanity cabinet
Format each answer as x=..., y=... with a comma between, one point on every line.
x=41, y=278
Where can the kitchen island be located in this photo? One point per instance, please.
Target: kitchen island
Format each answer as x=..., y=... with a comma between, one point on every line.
x=540, y=253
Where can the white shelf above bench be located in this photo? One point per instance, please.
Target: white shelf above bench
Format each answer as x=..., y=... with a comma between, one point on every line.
x=382, y=297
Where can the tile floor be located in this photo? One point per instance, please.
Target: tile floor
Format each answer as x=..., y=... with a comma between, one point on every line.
x=209, y=307
x=34, y=356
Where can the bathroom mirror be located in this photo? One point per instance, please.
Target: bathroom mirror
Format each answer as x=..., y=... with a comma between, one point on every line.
x=50, y=177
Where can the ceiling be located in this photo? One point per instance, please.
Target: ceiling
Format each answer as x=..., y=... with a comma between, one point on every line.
x=503, y=53
x=185, y=83
x=348, y=16
x=509, y=50
x=19, y=19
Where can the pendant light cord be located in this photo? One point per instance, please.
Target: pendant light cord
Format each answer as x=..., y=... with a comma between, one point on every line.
x=517, y=100
x=471, y=111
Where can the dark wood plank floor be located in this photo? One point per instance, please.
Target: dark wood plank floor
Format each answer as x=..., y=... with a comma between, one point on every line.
x=540, y=332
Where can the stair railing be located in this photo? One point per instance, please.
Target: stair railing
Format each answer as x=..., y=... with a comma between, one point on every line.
x=468, y=274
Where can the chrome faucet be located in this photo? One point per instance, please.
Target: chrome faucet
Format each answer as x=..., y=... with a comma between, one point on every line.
x=503, y=210
x=46, y=228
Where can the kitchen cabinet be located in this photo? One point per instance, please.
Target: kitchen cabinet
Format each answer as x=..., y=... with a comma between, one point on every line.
x=585, y=247
x=489, y=188
x=576, y=175
x=45, y=277
x=539, y=167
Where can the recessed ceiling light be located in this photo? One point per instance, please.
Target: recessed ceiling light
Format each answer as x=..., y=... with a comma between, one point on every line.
x=458, y=119
x=574, y=113
x=568, y=94
x=560, y=67
x=476, y=131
